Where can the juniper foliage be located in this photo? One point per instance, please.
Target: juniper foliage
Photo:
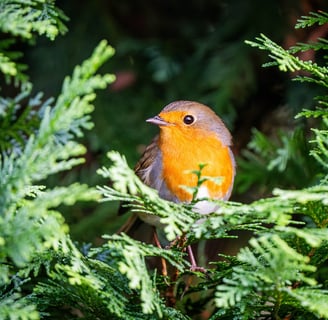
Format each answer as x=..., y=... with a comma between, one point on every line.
x=280, y=273
x=38, y=139
x=24, y=20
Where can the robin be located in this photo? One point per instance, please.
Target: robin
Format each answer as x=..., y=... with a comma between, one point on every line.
x=191, y=134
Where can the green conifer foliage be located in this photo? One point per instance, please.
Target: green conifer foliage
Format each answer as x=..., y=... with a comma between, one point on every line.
x=281, y=273
x=38, y=139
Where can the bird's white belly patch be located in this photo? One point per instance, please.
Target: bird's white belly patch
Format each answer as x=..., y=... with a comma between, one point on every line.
x=204, y=206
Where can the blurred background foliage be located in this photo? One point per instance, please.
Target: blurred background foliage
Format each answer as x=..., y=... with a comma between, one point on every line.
x=192, y=50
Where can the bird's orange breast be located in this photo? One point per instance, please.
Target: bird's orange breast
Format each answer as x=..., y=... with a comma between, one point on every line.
x=183, y=152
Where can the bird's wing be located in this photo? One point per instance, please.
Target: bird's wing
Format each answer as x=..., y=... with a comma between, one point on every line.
x=145, y=169
x=149, y=170
x=149, y=163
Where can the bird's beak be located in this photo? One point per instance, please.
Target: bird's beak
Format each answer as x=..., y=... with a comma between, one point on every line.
x=158, y=121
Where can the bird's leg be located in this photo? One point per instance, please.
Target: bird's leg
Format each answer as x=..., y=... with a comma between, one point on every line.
x=192, y=258
x=128, y=224
x=194, y=266
x=163, y=262
x=181, y=242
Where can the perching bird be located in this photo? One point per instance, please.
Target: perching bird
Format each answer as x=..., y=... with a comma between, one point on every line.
x=190, y=134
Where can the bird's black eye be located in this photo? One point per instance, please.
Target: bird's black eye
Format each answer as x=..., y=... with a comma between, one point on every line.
x=188, y=119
